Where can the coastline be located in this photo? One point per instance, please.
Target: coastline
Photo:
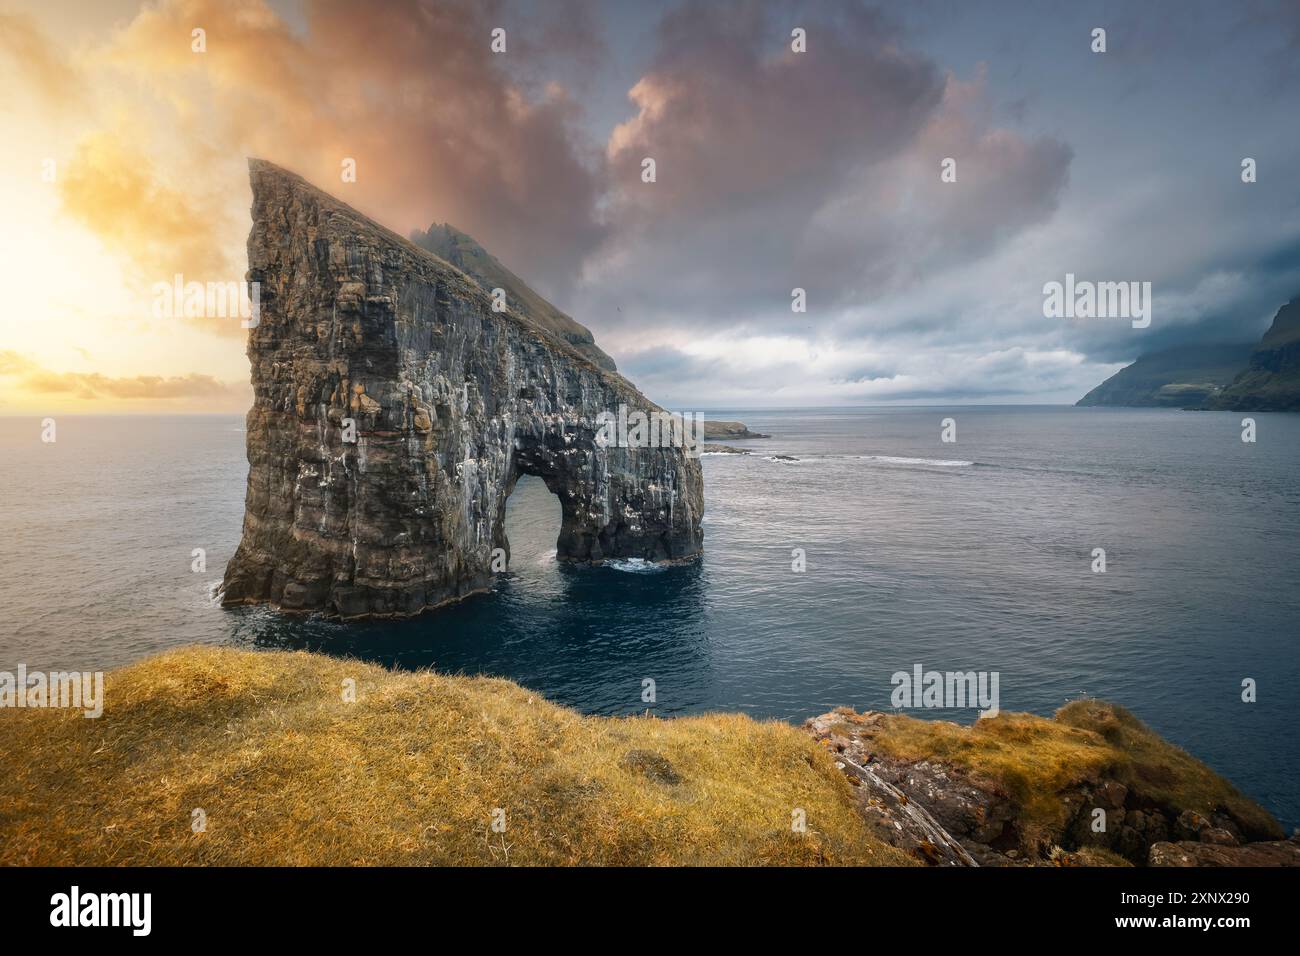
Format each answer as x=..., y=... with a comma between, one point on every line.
x=416, y=767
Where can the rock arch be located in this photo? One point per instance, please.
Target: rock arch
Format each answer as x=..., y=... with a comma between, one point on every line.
x=450, y=402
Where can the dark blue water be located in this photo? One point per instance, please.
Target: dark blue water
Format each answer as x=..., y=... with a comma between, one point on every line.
x=967, y=556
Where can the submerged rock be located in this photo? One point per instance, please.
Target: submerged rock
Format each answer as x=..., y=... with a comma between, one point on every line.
x=710, y=448
x=394, y=410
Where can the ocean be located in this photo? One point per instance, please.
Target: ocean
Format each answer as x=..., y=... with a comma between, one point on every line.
x=975, y=555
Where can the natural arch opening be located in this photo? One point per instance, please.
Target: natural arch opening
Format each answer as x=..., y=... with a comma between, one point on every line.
x=532, y=523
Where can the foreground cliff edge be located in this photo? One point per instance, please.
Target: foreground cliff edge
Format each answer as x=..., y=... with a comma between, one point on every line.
x=394, y=410
x=266, y=751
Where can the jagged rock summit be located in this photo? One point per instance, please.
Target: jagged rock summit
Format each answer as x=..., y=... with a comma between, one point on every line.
x=394, y=411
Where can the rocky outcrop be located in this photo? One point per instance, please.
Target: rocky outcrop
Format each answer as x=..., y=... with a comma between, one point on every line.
x=895, y=817
x=730, y=431
x=1264, y=853
x=393, y=412
x=1271, y=382
x=958, y=796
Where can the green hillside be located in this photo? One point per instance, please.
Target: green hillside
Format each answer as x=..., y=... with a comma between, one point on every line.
x=1182, y=377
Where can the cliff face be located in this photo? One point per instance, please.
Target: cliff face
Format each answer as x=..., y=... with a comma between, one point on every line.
x=1271, y=383
x=449, y=243
x=450, y=402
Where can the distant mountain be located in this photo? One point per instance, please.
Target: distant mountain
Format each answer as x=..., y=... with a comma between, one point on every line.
x=447, y=242
x=1271, y=382
x=1182, y=377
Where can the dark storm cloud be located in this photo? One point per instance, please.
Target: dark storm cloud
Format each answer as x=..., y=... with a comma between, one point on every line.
x=1237, y=309
x=818, y=170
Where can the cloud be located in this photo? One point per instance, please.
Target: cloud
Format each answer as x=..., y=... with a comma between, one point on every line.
x=40, y=64
x=114, y=189
x=817, y=170
x=35, y=379
x=438, y=125
x=774, y=371
x=775, y=169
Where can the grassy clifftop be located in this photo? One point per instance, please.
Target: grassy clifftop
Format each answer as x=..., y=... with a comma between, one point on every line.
x=286, y=772
x=1046, y=778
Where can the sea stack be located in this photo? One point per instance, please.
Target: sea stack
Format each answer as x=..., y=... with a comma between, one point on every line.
x=393, y=412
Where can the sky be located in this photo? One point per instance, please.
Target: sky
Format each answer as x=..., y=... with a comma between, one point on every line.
x=125, y=164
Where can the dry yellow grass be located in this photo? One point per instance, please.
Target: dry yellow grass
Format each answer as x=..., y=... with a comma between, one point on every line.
x=288, y=773
x=1165, y=773
x=1035, y=759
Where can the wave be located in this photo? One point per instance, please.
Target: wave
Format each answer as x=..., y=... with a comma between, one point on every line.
x=633, y=565
x=936, y=462
x=881, y=459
